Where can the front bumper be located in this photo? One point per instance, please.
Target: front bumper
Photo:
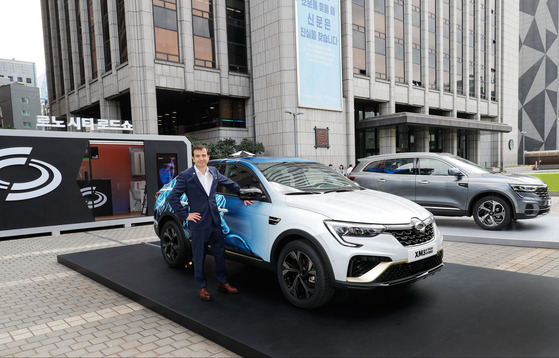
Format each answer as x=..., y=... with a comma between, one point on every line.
x=389, y=273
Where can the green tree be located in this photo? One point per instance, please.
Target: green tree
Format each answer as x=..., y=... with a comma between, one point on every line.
x=251, y=146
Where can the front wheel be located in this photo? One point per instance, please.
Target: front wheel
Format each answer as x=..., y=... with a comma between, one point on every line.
x=174, y=247
x=492, y=213
x=302, y=276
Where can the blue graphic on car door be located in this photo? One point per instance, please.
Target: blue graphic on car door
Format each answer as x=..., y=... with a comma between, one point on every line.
x=247, y=226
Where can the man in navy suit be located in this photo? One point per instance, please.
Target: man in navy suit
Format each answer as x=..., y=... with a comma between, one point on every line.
x=199, y=183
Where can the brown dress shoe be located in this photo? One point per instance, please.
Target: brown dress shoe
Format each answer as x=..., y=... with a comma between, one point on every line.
x=204, y=294
x=227, y=288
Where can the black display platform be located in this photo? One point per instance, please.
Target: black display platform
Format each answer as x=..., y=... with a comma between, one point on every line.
x=461, y=311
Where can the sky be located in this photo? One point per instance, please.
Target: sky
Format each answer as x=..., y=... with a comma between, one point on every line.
x=21, y=32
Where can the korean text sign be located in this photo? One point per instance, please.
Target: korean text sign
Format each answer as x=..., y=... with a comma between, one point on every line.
x=319, y=54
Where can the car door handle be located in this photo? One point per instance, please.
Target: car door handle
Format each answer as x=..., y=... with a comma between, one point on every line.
x=223, y=210
x=424, y=182
x=382, y=180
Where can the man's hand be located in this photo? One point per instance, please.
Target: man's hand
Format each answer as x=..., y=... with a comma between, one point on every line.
x=193, y=217
x=248, y=202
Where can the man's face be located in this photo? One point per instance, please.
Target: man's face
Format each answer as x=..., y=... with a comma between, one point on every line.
x=200, y=157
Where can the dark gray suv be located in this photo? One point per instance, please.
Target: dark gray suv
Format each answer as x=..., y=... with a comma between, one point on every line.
x=448, y=185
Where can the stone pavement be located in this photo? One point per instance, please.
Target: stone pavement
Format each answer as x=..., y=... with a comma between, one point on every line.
x=47, y=309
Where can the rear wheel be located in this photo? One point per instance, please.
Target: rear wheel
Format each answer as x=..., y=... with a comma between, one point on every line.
x=302, y=276
x=492, y=213
x=174, y=247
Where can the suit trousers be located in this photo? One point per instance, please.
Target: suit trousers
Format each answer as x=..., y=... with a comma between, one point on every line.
x=200, y=240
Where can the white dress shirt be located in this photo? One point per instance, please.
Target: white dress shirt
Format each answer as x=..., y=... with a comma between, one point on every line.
x=206, y=179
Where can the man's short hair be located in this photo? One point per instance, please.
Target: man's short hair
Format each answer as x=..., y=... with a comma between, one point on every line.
x=199, y=147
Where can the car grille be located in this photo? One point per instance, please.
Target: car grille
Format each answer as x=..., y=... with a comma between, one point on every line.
x=543, y=193
x=398, y=272
x=411, y=236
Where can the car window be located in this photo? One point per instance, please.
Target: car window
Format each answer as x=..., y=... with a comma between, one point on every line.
x=399, y=166
x=430, y=166
x=301, y=177
x=376, y=166
x=241, y=174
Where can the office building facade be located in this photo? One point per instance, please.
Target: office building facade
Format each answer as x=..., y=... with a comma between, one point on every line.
x=538, y=81
x=330, y=80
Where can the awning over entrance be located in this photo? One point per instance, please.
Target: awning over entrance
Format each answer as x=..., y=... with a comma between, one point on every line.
x=417, y=119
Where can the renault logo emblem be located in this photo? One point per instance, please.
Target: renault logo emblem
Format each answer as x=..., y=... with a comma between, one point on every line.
x=418, y=226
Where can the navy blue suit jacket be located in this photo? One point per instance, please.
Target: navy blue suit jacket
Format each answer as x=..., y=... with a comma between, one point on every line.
x=198, y=200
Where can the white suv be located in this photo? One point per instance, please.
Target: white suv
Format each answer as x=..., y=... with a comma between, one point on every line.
x=316, y=229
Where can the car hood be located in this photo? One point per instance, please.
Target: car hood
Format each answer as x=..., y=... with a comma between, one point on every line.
x=517, y=179
x=366, y=206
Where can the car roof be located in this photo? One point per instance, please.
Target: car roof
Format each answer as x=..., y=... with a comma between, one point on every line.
x=257, y=160
x=407, y=155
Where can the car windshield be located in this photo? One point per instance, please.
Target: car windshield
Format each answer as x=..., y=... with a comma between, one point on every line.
x=304, y=178
x=467, y=165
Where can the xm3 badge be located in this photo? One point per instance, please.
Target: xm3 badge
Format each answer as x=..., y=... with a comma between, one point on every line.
x=94, y=199
x=48, y=180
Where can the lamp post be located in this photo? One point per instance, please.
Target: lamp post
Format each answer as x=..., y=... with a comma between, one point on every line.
x=295, y=114
x=523, y=133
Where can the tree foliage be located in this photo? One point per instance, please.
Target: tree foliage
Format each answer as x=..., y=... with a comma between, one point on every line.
x=225, y=147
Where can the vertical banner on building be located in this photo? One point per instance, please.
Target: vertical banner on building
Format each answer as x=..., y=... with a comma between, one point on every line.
x=319, y=67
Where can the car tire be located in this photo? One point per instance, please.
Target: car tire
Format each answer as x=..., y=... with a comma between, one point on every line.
x=302, y=276
x=492, y=213
x=176, y=251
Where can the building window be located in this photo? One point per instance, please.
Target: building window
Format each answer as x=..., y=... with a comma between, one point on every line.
x=20, y=79
x=203, y=30
x=11, y=78
x=25, y=112
x=417, y=72
x=24, y=100
x=26, y=124
x=460, y=47
x=359, y=37
x=380, y=39
x=492, y=61
x=472, y=44
x=80, y=42
x=166, y=30
x=28, y=80
x=236, y=36
x=92, y=46
x=433, y=80
x=106, y=36
x=446, y=46
x=69, y=47
x=232, y=113
x=121, y=22
x=399, y=42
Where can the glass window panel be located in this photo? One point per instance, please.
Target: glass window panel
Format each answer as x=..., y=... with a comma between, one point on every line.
x=166, y=41
x=165, y=18
x=203, y=51
x=379, y=6
x=201, y=26
x=358, y=13
x=358, y=60
x=380, y=22
x=380, y=46
x=203, y=5
x=358, y=39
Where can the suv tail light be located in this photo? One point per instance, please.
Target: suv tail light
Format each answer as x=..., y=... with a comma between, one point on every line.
x=351, y=178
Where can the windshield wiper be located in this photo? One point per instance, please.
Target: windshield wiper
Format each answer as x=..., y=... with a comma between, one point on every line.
x=303, y=192
x=340, y=190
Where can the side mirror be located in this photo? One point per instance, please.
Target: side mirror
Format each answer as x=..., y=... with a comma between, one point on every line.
x=455, y=172
x=250, y=194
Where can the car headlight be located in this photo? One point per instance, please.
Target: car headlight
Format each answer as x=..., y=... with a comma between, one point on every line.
x=521, y=190
x=343, y=231
x=524, y=188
